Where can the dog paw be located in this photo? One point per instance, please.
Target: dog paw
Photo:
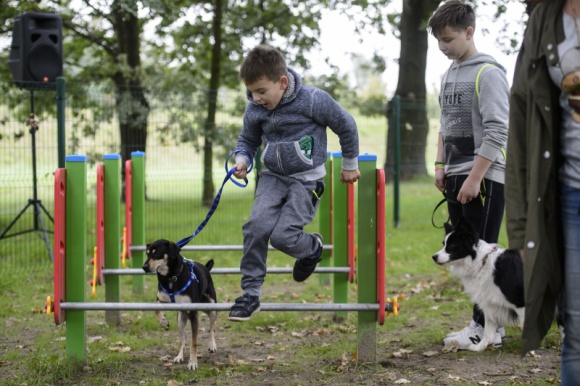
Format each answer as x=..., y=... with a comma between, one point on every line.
x=192, y=366
x=212, y=347
x=178, y=359
x=477, y=347
x=164, y=324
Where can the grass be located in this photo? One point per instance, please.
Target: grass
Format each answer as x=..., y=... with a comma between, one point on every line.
x=32, y=348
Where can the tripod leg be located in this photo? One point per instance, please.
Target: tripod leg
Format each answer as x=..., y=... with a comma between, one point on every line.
x=44, y=231
x=45, y=211
x=15, y=220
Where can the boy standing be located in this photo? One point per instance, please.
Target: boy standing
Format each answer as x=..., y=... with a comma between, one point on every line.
x=470, y=163
x=291, y=119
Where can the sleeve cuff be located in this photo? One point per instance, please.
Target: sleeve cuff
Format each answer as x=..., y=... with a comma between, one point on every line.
x=349, y=163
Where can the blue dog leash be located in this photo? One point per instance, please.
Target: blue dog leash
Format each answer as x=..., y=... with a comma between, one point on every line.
x=216, y=201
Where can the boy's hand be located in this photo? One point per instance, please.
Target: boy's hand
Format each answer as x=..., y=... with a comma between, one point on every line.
x=469, y=191
x=241, y=170
x=440, y=180
x=349, y=176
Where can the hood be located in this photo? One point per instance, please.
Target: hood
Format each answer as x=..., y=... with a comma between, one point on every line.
x=294, y=87
x=477, y=60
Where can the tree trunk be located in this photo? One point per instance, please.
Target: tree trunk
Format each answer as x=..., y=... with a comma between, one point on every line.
x=131, y=103
x=414, y=124
x=209, y=129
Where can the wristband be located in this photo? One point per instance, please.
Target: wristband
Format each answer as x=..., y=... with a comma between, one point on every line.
x=439, y=165
x=439, y=168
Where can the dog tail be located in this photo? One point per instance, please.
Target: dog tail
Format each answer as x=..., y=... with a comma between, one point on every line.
x=209, y=265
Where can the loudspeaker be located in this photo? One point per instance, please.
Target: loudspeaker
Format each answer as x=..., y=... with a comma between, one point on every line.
x=36, y=53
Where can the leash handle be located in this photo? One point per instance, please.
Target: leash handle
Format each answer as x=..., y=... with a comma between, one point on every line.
x=233, y=170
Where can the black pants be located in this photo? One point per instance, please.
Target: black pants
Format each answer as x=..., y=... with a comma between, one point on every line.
x=485, y=213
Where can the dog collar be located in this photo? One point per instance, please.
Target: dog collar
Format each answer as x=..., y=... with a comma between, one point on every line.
x=192, y=278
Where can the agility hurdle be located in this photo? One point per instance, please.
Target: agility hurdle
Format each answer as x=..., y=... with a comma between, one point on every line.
x=70, y=241
x=335, y=216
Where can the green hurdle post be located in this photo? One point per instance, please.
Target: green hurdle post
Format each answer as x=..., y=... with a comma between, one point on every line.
x=138, y=190
x=367, y=261
x=112, y=233
x=325, y=220
x=76, y=249
x=340, y=241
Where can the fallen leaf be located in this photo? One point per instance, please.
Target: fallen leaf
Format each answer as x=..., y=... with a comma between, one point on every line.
x=484, y=383
x=172, y=383
x=92, y=339
x=401, y=381
x=535, y=371
x=430, y=353
x=454, y=378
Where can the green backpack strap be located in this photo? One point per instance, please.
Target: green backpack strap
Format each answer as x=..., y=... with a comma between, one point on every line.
x=478, y=75
x=477, y=92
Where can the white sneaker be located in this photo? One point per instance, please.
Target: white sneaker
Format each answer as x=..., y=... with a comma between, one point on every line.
x=471, y=334
x=501, y=331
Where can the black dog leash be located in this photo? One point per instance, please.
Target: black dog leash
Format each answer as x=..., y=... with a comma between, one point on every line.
x=435, y=210
x=217, y=198
x=482, y=196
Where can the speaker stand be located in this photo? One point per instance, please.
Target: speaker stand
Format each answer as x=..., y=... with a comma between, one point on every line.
x=38, y=221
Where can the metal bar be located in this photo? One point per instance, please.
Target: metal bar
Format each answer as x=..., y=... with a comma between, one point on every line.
x=215, y=247
x=222, y=271
x=331, y=307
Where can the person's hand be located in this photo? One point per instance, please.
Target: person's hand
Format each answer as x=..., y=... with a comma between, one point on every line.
x=440, y=180
x=241, y=170
x=349, y=176
x=469, y=191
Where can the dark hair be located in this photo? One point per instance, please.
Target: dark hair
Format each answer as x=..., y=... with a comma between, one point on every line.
x=263, y=61
x=453, y=14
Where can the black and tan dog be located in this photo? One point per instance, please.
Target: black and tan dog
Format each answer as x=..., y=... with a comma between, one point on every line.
x=182, y=281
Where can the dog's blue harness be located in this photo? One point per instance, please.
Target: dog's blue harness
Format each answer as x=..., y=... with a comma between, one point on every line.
x=192, y=278
x=216, y=200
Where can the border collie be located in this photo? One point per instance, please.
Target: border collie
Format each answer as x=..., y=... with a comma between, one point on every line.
x=491, y=275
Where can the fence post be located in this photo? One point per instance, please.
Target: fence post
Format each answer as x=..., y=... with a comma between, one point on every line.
x=112, y=232
x=340, y=250
x=367, y=261
x=325, y=220
x=138, y=221
x=60, y=118
x=76, y=247
x=396, y=103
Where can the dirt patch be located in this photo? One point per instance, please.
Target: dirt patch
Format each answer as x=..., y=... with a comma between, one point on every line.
x=310, y=349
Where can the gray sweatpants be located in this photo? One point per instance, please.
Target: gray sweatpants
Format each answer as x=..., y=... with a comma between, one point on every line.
x=282, y=207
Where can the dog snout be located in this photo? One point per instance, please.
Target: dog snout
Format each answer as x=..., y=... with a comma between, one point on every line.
x=146, y=266
x=435, y=257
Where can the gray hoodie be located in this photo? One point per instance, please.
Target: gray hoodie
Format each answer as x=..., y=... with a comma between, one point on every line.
x=473, y=125
x=302, y=112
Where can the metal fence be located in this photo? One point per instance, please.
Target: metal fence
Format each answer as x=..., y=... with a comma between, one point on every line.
x=28, y=155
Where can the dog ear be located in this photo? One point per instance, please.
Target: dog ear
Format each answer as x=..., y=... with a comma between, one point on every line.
x=173, y=249
x=448, y=228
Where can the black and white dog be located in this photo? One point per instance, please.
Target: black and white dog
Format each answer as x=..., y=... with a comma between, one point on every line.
x=491, y=275
x=182, y=281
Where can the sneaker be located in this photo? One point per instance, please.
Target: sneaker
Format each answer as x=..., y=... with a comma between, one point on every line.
x=471, y=334
x=303, y=268
x=500, y=331
x=244, y=308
